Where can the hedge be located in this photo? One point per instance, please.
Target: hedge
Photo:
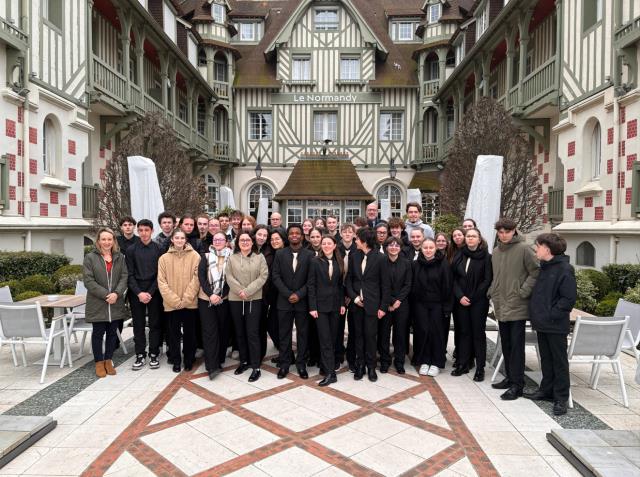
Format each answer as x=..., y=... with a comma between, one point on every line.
x=26, y=295
x=601, y=281
x=15, y=287
x=633, y=294
x=67, y=276
x=18, y=265
x=586, y=293
x=446, y=223
x=623, y=276
x=38, y=283
x=608, y=304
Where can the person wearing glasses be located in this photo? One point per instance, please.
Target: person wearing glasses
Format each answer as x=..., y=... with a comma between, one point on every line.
x=247, y=272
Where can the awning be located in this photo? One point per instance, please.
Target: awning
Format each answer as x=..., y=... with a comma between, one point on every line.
x=426, y=181
x=324, y=179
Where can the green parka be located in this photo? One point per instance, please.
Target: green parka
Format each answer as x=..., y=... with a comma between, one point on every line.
x=99, y=284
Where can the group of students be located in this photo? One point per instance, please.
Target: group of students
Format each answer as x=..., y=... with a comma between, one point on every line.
x=227, y=282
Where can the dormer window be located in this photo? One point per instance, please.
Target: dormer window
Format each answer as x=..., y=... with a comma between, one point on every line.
x=482, y=20
x=404, y=30
x=435, y=12
x=249, y=31
x=218, y=12
x=326, y=19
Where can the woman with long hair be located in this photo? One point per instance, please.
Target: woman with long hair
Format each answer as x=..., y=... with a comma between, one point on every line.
x=431, y=298
x=248, y=224
x=104, y=273
x=315, y=239
x=472, y=274
x=325, y=288
x=179, y=286
x=456, y=243
x=247, y=273
x=277, y=240
x=320, y=223
x=315, y=245
x=260, y=235
x=307, y=225
x=213, y=302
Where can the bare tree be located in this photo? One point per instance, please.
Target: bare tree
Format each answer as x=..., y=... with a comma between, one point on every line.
x=154, y=138
x=487, y=128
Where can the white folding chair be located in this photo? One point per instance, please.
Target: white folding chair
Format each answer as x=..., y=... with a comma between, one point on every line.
x=632, y=336
x=24, y=324
x=599, y=340
x=530, y=339
x=5, y=295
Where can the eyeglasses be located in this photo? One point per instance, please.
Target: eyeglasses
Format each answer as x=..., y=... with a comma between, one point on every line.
x=219, y=240
x=245, y=240
x=393, y=245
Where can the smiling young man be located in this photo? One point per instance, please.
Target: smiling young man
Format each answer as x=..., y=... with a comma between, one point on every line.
x=167, y=222
x=414, y=220
x=127, y=238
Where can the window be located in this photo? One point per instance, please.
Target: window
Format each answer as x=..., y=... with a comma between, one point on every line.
x=405, y=31
x=52, y=11
x=596, y=152
x=529, y=65
x=591, y=13
x=326, y=19
x=247, y=31
x=460, y=52
x=586, y=255
x=301, y=68
x=482, y=21
x=294, y=212
x=257, y=192
x=433, y=70
x=349, y=68
x=516, y=71
x=201, y=117
x=49, y=147
x=260, y=126
x=391, y=126
x=323, y=208
x=435, y=11
x=451, y=126
x=393, y=194
x=220, y=71
x=430, y=206
x=213, y=193
x=325, y=126
x=218, y=12
x=202, y=57
x=352, y=209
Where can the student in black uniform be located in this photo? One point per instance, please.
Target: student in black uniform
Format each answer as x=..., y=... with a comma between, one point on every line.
x=326, y=302
x=346, y=246
x=313, y=343
x=277, y=240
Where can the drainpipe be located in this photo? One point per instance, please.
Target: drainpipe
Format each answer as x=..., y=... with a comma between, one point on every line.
x=615, y=196
x=26, y=196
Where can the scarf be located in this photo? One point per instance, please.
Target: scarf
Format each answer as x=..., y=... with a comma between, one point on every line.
x=217, y=277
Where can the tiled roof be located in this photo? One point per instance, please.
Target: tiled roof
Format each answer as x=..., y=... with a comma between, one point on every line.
x=426, y=181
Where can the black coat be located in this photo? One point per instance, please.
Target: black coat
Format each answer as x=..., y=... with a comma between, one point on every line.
x=325, y=295
x=553, y=296
x=203, y=277
x=398, y=275
x=375, y=289
x=409, y=252
x=476, y=280
x=432, y=281
x=288, y=282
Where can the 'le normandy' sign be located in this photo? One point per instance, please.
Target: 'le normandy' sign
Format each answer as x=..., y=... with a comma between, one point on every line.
x=326, y=98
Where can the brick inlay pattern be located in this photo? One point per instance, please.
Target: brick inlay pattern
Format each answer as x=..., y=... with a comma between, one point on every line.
x=464, y=444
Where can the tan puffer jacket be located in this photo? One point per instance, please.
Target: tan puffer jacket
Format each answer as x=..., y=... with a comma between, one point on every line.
x=178, y=278
x=248, y=274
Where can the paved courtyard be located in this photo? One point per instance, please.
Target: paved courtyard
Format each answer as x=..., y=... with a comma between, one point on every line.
x=154, y=422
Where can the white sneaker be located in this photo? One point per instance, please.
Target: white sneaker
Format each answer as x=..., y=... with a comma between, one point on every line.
x=424, y=370
x=433, y=371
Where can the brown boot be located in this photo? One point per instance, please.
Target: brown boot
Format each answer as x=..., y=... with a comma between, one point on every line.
x=108, y=365
x=101, y=372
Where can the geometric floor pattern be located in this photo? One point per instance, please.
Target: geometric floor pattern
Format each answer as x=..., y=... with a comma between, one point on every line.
x=400, y=425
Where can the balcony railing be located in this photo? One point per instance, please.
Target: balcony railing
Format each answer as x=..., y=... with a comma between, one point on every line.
x=11, y=33
x=539, y=82
x=109, y=80
x=513, y=96
x=89, y=201
x=556, y=204
x=627, y=34
x=221, y=89
x=202, y=143
x=183, y=129
x=430, y=88
x=150, y=105
x=221, y=151
x=429, y=153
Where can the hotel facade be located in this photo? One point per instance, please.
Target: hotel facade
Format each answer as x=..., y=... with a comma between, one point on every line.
x=319, y=106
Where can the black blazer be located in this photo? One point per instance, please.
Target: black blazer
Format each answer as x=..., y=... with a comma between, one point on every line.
x=398, y=274
x=409, y=252
x=288, y=282
x=375, y=289
x=325, y=295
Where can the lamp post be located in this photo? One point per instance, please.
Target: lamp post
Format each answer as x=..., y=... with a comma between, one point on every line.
x=326, y=146
x=258, y=169
x=392, y=169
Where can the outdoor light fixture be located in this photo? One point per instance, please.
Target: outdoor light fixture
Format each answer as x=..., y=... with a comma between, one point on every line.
x=326, y=145
x=392, y=169
x=259, y=168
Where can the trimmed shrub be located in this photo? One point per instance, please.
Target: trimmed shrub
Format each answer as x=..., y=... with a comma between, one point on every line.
x=38, y=283
x=607, y=306
x=600, y=280
x=68, y=291
x=623, y=276
x=446, y=223
x=18, y=265
x=15, y=287
x=633, y=294
x=67, y=276
x=586, y=293
x=25, y=295
x=88, y=249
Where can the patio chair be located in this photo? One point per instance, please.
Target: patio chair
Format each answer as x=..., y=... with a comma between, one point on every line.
x=5, y=295
x=632, y=336
x=600, y=339
x=24, y=324
x=530, y=339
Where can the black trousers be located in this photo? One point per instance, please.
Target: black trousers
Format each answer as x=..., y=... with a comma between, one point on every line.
x=471, y=331
x=313, y=341
x=246, y=323
x=185, y=319
x=327, y=324
x=366, y=339
x=512, y=338
x=456, y=332
x=286, y=318
x=339, y=347
x=428, y=343
x=384, y=339
x=446, y=325
x=225, y=324
x=139, y=312
x=273, y=326
x=100, y=329
x=555, y=365
x=400, y=321
x=351, y=338
x=264, y=316
x=211, y=318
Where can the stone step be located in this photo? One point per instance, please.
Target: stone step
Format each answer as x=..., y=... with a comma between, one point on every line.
x=18, y=433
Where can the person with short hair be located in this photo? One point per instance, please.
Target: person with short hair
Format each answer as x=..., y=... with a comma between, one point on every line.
x=235, y=220
x=515, y=270
x=371, y=213
x=359, y=222
x=414, y=220
x=202, y=223
x=332, y=227
x=167, y=222
x=275, y=220
x=469, y=223
x=214, y=226
x=248, y=224
x=552, y=299
x=223, y=218
x=144, y=297
x=187, y=224
x=127, y=238
x=412, y=251
x=396, y=229
x=382, y=233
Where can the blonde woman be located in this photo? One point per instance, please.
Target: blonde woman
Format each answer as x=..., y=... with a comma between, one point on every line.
x=105, y=277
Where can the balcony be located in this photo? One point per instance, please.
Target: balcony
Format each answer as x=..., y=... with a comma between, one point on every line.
x=221, y=151
x=539, y=82
x=221, y=89
x=556, y=204
x=14, y=36
x=89, y=201
x=429, y=154
x=628, y=34
x=430, y=88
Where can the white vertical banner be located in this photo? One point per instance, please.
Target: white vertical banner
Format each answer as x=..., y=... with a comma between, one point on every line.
x=146, y=200
x=385, y=209
x=483, y=204
x=262, y=217
x=414, y=195
x=226, y=198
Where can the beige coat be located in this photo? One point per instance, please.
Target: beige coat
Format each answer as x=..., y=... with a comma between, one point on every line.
x=248, y=274
x=178, y=278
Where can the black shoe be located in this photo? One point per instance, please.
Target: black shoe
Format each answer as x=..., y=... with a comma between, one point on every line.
x=302, y=372
x=400, y=368
x=479, y=376
x=459, y=371
x=384, y=368
x=176, y=368
x=212, y=374
x=139, y=363
x=328, y=380
x=358, y=373
x=504, y=384
x=188, y=367
x=255, y=375
x=537, y=395
x=373, y=376
x=282, y=373
x=153, y=361
x=559, y=408
x=511, y=394
x=241, y=369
